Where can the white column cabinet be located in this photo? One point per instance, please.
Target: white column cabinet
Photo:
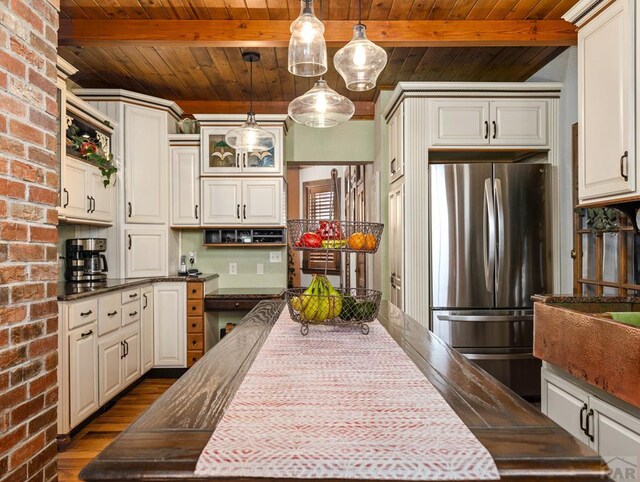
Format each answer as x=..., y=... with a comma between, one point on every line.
x=185, y=186
x=262, y=201
x=170, y=325
x=146, y=252
x=83, y=372
x=396, y=244
x=146, y=167
x=606, y=72
x=146, y=330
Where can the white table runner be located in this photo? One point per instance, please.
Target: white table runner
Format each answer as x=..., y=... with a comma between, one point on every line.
x=337, y=404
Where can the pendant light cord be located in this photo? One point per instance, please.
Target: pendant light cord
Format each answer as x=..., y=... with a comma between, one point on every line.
x=360, y=12
x=251, y=88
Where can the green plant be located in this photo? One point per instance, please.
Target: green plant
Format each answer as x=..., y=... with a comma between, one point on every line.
x=90, y=150
x=600, y=219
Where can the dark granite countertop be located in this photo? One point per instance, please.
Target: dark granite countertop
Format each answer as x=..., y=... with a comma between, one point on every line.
x=554, y=299
x=245, y=293
x=76, y=291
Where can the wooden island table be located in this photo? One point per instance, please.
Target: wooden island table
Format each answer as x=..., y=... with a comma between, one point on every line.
x=166, y=441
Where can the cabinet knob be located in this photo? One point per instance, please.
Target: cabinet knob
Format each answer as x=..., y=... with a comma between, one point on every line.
x=193, y=325
x=193, y=291
x=193, y=308
x=237, y=304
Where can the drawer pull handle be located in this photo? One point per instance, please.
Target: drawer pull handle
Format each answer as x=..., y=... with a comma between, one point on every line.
x=124, y=350
x=582, y=412
x=133, y=295
x=66, y=193
x=624, y=173
x=133, y=314
x=146, y=301
x=88, y=333
x=237, y=304
x=486, y=129
x=115, y=312
x=495, y=129
x=588, y=431
x=86, y=313
x=130, y=208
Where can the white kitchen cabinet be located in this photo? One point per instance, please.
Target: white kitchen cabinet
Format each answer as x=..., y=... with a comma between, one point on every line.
x=396, y=145
x=146, y=330
x=185, y=186
x=131, y=361
x=396, y=244
x=504, y=122
x=84, y=197
x=83, y=372
x=606, y=77
x=262, y=201
x=146, y=164
x=220, y=159
x=110, y=353
x=146, y=252
x=607, y=425
x=170, y=324
x=256, y=201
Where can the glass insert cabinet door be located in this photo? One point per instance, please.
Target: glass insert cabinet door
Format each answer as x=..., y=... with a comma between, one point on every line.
x=219, y=158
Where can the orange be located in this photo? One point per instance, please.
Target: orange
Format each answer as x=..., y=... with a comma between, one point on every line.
x=356, y=241
x=370, y=242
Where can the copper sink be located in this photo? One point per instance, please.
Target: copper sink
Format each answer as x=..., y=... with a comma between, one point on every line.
x=573, y=333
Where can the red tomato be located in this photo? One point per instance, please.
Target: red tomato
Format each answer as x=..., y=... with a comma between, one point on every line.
x=329, y=230
x=311, y=240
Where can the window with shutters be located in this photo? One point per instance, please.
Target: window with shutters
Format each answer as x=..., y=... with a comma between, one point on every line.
x=320, y=203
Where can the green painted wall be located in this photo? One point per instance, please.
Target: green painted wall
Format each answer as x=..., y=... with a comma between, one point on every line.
x=352, y=141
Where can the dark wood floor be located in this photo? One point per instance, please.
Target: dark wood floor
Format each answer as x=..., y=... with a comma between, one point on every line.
x=91, y=440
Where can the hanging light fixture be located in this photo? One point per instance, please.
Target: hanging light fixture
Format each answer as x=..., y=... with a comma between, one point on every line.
x=249, y=135
x=360, y=61
x=321, y=107
x=307, y=48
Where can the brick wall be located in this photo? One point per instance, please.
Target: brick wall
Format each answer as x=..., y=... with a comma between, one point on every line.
x=29, y=175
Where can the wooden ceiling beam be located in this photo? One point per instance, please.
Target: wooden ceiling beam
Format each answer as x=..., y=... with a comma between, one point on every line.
x=364, y=109
x=275, y=33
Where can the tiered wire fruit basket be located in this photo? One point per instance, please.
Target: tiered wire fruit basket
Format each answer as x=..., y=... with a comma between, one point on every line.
x=321, y=303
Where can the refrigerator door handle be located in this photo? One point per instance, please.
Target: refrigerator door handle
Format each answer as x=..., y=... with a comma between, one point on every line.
x=500, y=241
x=489, y=228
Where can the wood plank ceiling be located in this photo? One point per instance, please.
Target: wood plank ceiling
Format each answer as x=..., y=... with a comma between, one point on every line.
x=188, y=73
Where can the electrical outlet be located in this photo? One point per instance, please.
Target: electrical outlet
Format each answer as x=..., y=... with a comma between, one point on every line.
x=275, y=257
x=233, y=268
x=260, y=268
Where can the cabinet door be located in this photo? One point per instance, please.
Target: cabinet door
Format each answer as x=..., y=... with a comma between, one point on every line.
x=110, y=353
x=565, y=404
x=103, y=198
x=221, y=201
x=217, y=156
x=519, y=123
x=185, y=186
x=396, y=145
x=605, y=75
x=146, y=252
x=75, y=199
x=146, y=330
x=146, y=151
x=396, y=247
x=83, y=372
x=617, y=439
x=131, y=360
x=262, y=201
x=264, y=162
x=170, y=324
x=460, y=123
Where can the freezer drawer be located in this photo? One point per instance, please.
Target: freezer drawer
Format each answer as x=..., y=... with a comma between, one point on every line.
x=519, y=371
x=489, y=329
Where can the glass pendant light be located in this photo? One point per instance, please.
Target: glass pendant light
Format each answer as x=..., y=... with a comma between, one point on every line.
x=360, y=61
x=249, y=135
x=307, y=48
x=321, y=107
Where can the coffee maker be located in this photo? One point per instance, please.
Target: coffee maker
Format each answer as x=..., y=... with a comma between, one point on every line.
x=85, y=261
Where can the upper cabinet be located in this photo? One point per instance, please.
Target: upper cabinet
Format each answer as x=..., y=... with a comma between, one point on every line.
x=146, y=166
x=185, y=185
x=606, y=78
x=503, y=122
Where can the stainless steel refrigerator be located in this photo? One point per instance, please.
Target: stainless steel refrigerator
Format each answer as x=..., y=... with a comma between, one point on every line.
x=490, y=252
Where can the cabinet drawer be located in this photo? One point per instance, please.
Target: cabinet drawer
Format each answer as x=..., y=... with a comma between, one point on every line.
x=194, y=324
x=194, y=307
x=109, y=313
x=130, y=312
x=231, y=305
x=83, y=312
x=195, y=291
x=130, y=295
x=195, y=341
x=193, y=356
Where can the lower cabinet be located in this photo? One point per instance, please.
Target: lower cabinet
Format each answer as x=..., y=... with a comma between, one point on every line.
x=146, y=330
x=170, y=326
x=119, y=362
x=83, y=372
x=612, y=429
